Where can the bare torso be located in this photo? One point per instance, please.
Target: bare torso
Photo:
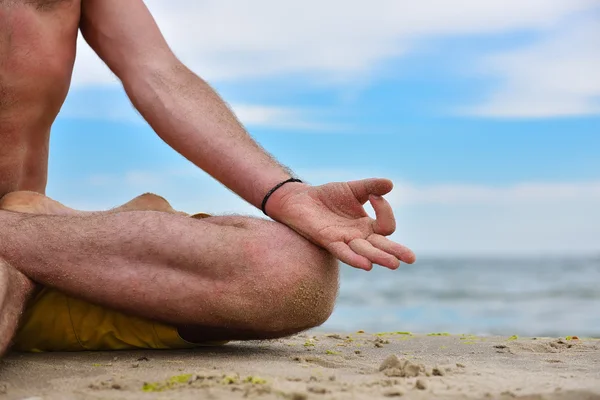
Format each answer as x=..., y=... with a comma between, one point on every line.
x=37, y=51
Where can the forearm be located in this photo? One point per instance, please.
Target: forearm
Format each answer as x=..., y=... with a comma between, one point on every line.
x=191, y=117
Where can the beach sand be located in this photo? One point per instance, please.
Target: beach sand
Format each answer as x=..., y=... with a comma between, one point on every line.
x=320, y=366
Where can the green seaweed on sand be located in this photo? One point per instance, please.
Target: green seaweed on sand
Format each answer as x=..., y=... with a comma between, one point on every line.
x=255, y=380
x=153, y=387
x=332, y=353
x=513, y=337
x=180, y=378
x=229, y=380
x=168, y=384
x=393, y=333
x=439, y=334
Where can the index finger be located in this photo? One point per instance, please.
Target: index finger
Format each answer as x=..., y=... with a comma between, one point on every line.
x=401, y=252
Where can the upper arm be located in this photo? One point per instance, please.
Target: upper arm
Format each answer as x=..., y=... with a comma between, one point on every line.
x=125, y=36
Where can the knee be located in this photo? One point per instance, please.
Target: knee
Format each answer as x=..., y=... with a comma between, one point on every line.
x=312, y=292
x=309, y=299
x=303, y=279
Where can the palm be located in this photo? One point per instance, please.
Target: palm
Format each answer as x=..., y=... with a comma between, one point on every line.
x=333, y=217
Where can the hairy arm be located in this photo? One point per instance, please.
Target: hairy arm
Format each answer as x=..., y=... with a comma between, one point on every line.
x=189, y=116
x=180, y=106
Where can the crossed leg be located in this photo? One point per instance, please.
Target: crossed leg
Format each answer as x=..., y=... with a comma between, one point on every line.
x=218, y=278
x=16, y=288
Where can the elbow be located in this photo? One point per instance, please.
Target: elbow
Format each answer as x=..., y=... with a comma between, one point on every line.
x=151, y=74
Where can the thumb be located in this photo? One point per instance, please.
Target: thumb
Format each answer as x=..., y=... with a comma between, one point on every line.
x=365, y=187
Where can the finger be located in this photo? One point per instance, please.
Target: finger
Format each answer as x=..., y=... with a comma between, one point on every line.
x=344, y=253
x=385, y=223
x=366, y=249
x=365, y=187
x=403, y=253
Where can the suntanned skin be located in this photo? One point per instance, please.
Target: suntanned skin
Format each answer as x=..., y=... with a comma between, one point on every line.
x=222, y=277
x=15, y=288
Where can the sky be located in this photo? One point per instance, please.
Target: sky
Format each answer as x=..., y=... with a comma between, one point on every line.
x=486, y=115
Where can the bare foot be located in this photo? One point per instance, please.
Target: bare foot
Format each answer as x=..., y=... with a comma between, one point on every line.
x=36, y=203
x=16, y=288
x=148, y=202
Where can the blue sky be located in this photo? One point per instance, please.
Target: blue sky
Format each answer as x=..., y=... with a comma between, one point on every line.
x=486, y=115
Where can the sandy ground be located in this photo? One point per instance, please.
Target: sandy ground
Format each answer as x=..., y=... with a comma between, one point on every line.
x=321, y=366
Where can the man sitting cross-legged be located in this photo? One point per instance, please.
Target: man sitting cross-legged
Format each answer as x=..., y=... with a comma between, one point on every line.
x=256, y=299
x=211, y=279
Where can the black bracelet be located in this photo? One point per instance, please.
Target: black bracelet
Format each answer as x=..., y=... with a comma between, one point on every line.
x=264, y=202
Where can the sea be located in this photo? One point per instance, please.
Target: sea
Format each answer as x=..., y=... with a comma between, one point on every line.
x=533, y=296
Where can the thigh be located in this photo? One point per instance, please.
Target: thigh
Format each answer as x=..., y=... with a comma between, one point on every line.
x=216, y=271
x=227, y=268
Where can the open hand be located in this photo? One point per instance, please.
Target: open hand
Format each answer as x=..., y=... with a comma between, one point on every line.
x=332, y=216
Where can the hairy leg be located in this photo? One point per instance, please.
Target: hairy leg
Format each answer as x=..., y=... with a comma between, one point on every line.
x=15, y=287
x=221, y=277
x=15, y=290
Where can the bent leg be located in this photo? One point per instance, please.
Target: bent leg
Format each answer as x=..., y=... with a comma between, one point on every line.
x=234, y=276
x=15, y=289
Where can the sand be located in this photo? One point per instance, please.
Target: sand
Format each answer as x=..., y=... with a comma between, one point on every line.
x=320, y=366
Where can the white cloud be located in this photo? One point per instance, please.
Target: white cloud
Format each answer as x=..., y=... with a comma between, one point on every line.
x=332, y=40
x=279, y=117
x=525, y=193
x=337, y=41
x=444, y=194
x=525, y=219
x=557, y=76
x=99, y=105
x=572, y=227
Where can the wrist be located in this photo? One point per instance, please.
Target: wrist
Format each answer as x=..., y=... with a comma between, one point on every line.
x=275, y=203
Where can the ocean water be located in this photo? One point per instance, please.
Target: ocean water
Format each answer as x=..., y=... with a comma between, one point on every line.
x=523, y=296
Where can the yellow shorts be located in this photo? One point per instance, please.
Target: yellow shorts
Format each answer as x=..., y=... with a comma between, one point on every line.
x=54, y=321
